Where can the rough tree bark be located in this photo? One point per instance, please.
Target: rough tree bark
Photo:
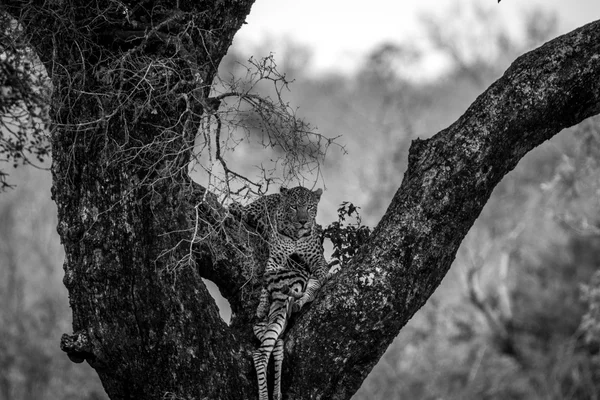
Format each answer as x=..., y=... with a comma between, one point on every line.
x=152, y=331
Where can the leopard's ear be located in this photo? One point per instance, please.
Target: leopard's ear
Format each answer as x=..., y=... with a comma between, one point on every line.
x=318, y=192
x=283, y=190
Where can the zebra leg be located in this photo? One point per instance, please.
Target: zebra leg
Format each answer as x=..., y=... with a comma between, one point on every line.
x=259, y=329
x=269, y=334
x=260, y=363
x=278, y=359
x=278, y=353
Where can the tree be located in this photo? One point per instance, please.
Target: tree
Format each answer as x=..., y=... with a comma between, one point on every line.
x=127, y=76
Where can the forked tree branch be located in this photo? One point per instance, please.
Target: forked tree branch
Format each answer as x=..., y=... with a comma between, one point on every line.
x=449, y=179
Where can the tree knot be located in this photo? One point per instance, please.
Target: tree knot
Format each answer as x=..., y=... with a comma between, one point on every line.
x=77, y=346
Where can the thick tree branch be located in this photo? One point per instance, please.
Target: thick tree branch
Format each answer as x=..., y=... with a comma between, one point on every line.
x=449, y=179
x=229, y=254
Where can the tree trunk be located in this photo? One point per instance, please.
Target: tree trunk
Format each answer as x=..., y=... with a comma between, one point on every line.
x=128, y=212
x=141, y=315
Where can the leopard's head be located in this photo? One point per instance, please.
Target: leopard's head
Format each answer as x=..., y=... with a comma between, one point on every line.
x=297, y=211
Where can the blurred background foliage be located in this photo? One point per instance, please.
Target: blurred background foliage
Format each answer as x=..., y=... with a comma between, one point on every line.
x=517, y=316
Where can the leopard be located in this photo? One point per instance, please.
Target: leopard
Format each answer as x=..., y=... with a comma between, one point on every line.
x=295, y=271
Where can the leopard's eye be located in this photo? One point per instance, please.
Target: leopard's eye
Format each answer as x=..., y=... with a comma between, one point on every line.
x=292, y=208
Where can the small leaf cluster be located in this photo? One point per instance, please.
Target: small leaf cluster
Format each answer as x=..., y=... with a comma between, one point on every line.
x=24, y=98
x=346, y=237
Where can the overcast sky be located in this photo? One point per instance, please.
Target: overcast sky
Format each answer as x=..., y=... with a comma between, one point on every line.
x=341, y=31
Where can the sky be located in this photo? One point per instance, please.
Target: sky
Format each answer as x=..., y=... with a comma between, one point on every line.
x=340, y=32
